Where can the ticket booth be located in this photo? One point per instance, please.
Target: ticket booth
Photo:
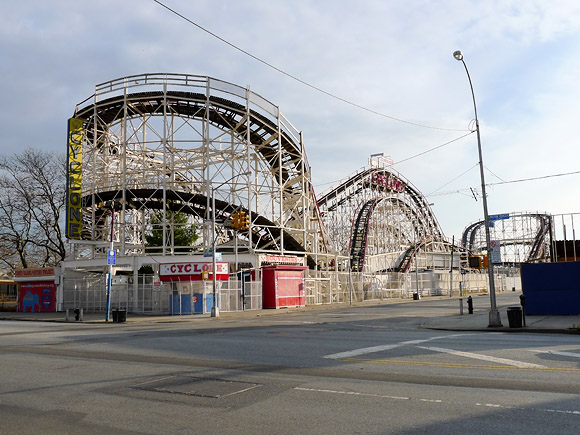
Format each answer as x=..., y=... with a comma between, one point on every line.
x=192, y=285
x=283, y=286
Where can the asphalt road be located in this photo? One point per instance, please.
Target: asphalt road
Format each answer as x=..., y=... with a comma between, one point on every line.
x=342, y=371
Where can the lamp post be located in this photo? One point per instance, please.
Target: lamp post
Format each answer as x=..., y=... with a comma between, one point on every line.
x=494, y=316
x=111, y=262
x=215, y=312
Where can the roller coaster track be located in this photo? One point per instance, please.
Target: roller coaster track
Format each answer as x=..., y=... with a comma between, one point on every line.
x=468, y=239
x=223, y=114
x=399, y=192
x=339, y=195
x=194, y=204
x=265, y=142
x=545, y=229
x=359, y=236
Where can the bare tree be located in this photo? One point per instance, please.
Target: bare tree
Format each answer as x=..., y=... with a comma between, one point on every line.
x=32, y=201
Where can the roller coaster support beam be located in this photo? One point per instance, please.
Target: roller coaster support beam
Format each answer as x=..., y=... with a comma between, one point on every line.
x=494, y=316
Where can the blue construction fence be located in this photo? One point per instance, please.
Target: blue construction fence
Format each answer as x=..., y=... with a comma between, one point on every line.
x=551, y=288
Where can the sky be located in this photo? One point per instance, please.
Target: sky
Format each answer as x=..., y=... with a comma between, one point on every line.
x=392, y=57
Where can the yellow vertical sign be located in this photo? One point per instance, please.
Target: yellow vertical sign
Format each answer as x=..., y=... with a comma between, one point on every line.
x=74, y=178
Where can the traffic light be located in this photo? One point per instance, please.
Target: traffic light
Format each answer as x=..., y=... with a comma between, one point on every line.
x=479, y=262
x=475, y=262
x=485, y=262
x=244, y=221
x=236, y=220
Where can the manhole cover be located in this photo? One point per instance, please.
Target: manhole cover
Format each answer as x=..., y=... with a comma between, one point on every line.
x=200, y=387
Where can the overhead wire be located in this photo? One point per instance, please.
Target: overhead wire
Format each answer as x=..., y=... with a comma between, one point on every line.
x=522, y=180
x=409, y=158
x=299, y=80
x=434, y=148
x=543, y=177
x=492, y=173
x=451, y=181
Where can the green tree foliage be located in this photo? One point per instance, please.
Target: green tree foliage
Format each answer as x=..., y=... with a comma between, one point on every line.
x=179, y=232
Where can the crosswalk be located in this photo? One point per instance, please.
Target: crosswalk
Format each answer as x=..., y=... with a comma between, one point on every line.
x=427, y=344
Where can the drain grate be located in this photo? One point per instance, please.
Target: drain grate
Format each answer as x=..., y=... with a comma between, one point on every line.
x=195, y=386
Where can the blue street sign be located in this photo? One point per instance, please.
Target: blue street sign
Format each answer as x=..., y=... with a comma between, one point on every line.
x=112, y=258
x=497, y=217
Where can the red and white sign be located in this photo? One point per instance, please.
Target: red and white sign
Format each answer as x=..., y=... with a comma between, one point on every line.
x=192, y=271
x=387, y=182
x=280, y=259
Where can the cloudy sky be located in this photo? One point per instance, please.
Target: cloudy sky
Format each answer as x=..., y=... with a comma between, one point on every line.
x=390, y=56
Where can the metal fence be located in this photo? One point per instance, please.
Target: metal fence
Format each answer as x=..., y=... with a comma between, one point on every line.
x=150, y=297
x=341, y=287
x=565, y=245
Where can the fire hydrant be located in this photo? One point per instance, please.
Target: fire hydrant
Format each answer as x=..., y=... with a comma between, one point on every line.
x=470, y=305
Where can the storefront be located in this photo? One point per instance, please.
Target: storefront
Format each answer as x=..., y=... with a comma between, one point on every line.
x=192, y=285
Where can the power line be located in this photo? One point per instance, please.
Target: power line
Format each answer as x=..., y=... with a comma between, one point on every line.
x=433, y=149
x=535, y=178
x=299, y=80
x=461, y=191
x=451, y=181
x=495, y=175
x=409, y=158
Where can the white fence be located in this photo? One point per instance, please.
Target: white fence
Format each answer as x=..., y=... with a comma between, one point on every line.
x=341, y=287
x=147, y=297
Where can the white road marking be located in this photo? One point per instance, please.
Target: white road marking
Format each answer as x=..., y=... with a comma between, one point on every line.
x=351, y=393
x=557, y=352
x=478, y=356
x=373, y=349
x=381, y=396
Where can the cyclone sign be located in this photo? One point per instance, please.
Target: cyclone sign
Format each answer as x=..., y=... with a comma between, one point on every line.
x=74, y=178
x=388, y=182
x=192, y=271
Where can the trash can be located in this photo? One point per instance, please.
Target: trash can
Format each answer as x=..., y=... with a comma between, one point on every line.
x=119, y=316
x=515, y=317
x=416, y=296
x=122, y=316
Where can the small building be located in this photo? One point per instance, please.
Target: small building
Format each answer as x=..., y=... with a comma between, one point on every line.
x=36, y=289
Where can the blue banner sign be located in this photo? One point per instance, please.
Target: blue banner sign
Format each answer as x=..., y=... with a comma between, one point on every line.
x=112, y=257
x=497, y=217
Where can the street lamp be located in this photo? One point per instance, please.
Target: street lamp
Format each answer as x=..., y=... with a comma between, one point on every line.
x=111, y=260
x=215, y=312
x=494, y=316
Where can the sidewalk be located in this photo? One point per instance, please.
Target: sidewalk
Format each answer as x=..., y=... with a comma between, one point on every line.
x=478, y=321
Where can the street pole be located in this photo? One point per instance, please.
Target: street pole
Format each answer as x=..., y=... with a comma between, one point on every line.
x=416, y=265
x=451, y=268
x=108, y=304
x=494, y=315
x=215, y=312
